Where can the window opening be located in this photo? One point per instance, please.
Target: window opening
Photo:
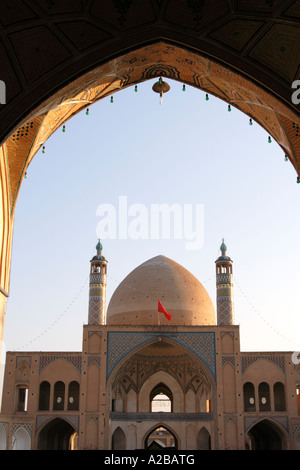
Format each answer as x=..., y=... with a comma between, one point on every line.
x=161, y=399
x=22, y=399
x=161, y=403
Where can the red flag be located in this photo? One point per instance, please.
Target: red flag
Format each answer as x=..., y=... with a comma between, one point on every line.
x=164, y=311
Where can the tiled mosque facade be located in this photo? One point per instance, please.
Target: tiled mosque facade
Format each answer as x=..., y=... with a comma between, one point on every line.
x=142, y=381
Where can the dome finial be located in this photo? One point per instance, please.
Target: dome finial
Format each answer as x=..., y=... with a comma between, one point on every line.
x=223, y=248
x=99, y=248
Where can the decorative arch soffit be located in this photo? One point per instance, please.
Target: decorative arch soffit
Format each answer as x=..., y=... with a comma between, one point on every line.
x=155, y=356
x=161, y=58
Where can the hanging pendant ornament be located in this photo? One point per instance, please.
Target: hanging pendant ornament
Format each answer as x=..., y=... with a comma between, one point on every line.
x=206, y=97
x=250, y=122
x=136, y=88
x=87, y=112
x=229, y=108
x=64, y=128
x=111, y=99
x=161, y=87
x=269, y=139
x=43, y=150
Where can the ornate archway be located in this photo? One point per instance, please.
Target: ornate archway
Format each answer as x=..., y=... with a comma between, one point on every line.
x=58, y=58
x=266, y=435
x=161, y=438
x=57, y=434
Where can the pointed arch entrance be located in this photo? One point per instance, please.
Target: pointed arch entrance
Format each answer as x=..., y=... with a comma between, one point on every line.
x=158, y=373
x=58, y=434
x=159, y=438
x=265, y=435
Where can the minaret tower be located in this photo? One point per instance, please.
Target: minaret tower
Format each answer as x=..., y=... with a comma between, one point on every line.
x=97, y=294
x=225, y=313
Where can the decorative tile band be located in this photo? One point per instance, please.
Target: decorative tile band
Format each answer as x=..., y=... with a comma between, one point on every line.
x=228, y=360
x=120, y=344
x=73, y=360
x=295, y=429
x=26, y=426
x=279, y=361
x=94, y=360
x=160, y=416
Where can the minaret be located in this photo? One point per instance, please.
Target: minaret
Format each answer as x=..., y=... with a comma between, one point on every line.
x=97, y=294
x=225, y=313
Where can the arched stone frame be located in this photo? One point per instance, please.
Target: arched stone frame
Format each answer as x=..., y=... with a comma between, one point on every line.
x=73, y=395
x=161, y=389
x=43, y=421
x=204, y=398
x=131, y=403
x=130, y=433
x=44, y=395
x=113, y=375
x=117, y=367
x=154, y=338
x=276, y=424
x=249, y=396
x=59, y=396
x=118, y=439
x=178, y=443
x=231, y=433
x=264, y=396
x=23, y=371
x=21, y=439
x=170, y=382
x=90, y=437
x=279, y=396
x=203, y=439
x=190, y=401
x=118, y=399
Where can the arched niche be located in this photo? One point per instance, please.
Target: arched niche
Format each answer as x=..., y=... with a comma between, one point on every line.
x=170, y=382
x=118, y=440
x=21, y=439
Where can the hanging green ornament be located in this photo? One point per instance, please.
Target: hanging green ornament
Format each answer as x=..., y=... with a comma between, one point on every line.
x=250, y=122
x=25, y=175
x=64, y=128
x=207, y=97
x=136, y=88
x=269, y=139
x=183, y=87
x=87, y=112
x=43, y=150
x=111, y=99
x=298, y=179
x=286, y=158
x=229, y=108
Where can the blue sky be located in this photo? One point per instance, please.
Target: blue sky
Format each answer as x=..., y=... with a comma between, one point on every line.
x=186, y=151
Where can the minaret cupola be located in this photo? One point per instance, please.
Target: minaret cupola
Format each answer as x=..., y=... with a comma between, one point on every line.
x=97, y=291
x=225, y=310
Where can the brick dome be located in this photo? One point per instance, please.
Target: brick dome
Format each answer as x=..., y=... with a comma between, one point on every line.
x=183, y=296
